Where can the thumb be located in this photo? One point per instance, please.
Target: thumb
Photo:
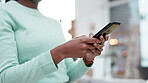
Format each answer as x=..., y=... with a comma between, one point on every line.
x=90, y=56
x=91, y=35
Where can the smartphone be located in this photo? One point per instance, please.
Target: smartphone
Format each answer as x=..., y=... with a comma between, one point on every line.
x=112, y=26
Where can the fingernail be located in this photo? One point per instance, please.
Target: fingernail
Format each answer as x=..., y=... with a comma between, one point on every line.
x=98, y=41
x=101, y=36
x=95, y=44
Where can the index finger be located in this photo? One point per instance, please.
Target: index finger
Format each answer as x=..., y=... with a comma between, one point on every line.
x=90, y=40
x=102, y=39
x=106, y=37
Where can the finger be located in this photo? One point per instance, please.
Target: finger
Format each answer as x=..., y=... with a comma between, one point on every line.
x=102, y=39
x=106, y=37
x=90, y=40
x=91, y=35
x=98, y=46
x=100, y=50
x=90, y=56
x=96, y=52
x=97, y=49
x=87, y=51
x=87, y=46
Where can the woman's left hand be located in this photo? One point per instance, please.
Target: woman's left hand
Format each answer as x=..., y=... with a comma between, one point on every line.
x=99, y=48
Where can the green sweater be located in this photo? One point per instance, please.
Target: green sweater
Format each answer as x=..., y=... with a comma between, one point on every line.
x=26, y=38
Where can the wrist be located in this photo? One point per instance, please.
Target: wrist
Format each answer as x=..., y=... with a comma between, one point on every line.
x=57, y=55
x=61, y=51
x=88, y=63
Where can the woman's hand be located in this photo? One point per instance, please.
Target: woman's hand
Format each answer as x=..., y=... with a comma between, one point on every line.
x=75, y=48
x=98, y=48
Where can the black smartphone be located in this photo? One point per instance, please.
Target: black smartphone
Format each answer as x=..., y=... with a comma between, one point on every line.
x=107, y=29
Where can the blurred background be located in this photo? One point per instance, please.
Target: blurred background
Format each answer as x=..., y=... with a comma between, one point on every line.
x=125, y=56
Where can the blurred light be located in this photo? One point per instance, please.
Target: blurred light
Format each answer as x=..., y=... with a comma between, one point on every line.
x=124, y=53
x=113, y=42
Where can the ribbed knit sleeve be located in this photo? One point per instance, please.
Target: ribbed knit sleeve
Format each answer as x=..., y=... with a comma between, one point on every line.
x=10, y=69
x=76, y=69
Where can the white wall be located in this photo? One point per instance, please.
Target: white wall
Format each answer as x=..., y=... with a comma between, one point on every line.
x=90, y=12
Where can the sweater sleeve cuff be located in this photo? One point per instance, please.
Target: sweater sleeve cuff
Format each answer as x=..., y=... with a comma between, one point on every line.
x=83, y=65
x=46, y=63
x=88, y=63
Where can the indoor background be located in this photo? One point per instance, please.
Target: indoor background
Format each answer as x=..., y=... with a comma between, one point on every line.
x=125, y=56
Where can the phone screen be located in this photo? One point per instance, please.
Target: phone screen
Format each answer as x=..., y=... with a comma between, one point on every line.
x=107, y=29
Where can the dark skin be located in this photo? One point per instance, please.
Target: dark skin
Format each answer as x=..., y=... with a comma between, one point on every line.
x=28, y=3
x=78, y=47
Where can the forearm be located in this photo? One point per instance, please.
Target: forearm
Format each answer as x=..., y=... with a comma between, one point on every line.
x=57, y=54
x=30, y=71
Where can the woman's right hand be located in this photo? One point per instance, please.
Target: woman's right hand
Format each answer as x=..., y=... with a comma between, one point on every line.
x=75, y=48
